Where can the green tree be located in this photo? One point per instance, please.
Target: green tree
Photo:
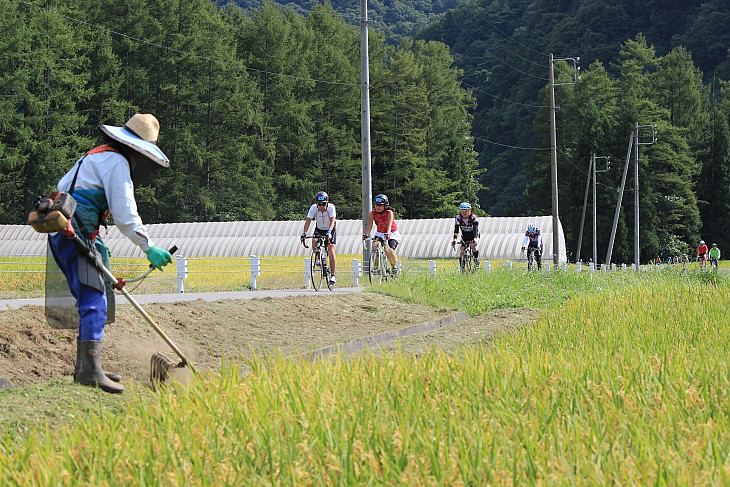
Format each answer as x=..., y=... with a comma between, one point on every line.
x=335, y=109
x=713, y=187
x=49, y=77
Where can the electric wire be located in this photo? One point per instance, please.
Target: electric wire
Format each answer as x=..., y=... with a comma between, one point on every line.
x=496, y=57
x=261, y=71
x=186, y=53
x=510, y=146
x=501, y=98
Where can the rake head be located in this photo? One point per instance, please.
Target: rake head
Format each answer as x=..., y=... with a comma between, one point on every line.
x=162, y=367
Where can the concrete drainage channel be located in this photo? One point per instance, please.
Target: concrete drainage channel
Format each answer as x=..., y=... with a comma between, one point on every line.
x=388, y=336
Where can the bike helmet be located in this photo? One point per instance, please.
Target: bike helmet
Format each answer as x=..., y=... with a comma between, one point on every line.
x=531, y=228
x=465, y=206
x=381, y=199
x=714, y=245
x=321, y=197
x=702, y=242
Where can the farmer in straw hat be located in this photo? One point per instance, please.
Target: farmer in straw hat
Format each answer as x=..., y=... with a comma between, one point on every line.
x=102, y=183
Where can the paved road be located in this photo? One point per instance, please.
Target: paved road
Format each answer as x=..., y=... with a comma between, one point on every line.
x=174, y=298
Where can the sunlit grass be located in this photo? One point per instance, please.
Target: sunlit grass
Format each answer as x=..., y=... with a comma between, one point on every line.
x=627, y=384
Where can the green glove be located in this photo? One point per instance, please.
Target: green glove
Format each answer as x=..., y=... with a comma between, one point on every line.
x=158, y=257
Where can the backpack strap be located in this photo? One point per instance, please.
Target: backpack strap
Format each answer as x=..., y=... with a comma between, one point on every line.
x=102, y=217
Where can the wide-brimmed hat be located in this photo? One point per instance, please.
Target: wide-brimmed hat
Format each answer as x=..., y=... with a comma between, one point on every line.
x=140, y=133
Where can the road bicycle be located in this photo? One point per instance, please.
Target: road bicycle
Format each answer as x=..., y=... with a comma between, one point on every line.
x=703, y=262
x=467, y=264
x=319, y=262
x=531, y=259
x=379, y=269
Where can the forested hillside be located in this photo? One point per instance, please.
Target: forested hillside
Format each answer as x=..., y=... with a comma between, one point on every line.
x=394, y=18
x=258, y=112
x=260, y=107
x=652, y=62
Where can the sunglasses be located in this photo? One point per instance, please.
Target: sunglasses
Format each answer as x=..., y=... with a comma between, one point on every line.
x=322, y=204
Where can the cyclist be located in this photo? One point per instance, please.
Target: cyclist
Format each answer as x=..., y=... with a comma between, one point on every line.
x=702, y=251
x=467, y=222
x=383, y=217
x=684, y=260
x=324, y=213
x=533, y=239
x=714, y=255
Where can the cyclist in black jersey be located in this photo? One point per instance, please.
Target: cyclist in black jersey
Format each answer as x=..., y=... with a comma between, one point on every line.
x=467, y=223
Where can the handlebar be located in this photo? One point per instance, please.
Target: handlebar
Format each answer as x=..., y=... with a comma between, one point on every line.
x=172, y=250
x=313, y=237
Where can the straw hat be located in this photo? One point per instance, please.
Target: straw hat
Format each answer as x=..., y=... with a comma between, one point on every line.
x=140, y=133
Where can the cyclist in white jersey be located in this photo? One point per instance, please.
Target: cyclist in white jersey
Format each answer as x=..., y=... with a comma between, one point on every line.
x=324, y=213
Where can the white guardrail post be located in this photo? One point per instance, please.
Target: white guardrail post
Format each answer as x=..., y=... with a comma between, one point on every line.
x=577, y=267
x=508, y=264
x=431, y=267
x=255, y=270
x=307, y=273
x=487, y=266
x=182, y=272
x=356, y=272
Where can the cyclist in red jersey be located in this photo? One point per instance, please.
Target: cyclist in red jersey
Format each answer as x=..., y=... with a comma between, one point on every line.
x=702, y=252
x=383, y=218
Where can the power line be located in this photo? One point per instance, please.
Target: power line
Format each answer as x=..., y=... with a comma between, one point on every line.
x=510, y=38
x=509, y=146
x=186, y=53
x=501, y=98
x=502, y=60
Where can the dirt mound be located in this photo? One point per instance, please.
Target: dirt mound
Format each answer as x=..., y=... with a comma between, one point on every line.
x=208, y=332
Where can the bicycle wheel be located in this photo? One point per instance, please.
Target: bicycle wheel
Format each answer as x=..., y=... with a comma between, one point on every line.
x=327, y=271
x=530, y=261
x=468, y=264
x=317, y=268
x=385, y=269
x=374, y=268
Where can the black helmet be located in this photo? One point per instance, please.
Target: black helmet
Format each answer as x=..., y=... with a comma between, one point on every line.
x=321, y=197
x=382, y=199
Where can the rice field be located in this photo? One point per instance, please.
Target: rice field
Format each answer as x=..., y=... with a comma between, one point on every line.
x=622, y=380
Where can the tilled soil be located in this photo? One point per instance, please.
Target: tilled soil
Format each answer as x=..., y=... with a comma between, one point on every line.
x=208, y=332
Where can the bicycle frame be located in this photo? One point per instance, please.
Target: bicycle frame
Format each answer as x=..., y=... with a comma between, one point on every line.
x=466, y=257
x=378, y=267
x=531, y=258
x=319, y=263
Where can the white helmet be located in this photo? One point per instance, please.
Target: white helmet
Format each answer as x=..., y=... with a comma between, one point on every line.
x=531, y=228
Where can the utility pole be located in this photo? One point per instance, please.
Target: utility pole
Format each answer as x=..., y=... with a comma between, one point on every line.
x=583, y=216
x=636, y=195
x=620, y=198
x=554, y=148
x=636, y=179
x=595, y=238
x=367, y=186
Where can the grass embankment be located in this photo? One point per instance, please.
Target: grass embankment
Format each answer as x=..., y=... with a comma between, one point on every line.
x=626, y=383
